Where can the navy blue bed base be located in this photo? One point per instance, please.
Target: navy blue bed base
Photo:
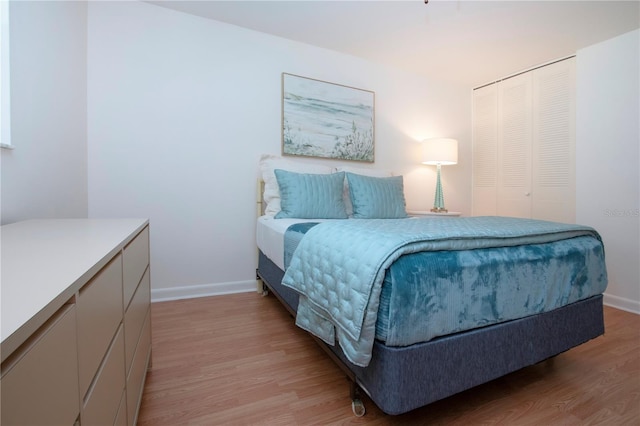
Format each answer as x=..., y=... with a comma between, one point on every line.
x=400, y=379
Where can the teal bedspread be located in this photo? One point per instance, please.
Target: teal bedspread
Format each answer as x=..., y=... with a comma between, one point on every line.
x=446, y=275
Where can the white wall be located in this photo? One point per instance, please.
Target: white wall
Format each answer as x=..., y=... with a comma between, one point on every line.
x=180, y=108
x=608, y=158
x=45, y=176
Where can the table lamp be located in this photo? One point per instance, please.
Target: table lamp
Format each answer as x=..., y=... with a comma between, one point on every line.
x=439, y=152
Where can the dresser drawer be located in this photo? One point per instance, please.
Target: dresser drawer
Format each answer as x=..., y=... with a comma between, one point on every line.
x=135, y=316
x=136, y=259
x=99, y=315
x=40, y=381
x=103, y=399
x=136, y=378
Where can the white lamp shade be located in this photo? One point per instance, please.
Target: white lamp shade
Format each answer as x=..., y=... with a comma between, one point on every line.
x=443, y=151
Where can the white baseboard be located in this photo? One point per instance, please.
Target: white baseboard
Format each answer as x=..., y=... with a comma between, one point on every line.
x=204, y=290
x=622, y=303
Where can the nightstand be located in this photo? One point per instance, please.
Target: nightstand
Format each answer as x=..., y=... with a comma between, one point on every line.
x=425, y=213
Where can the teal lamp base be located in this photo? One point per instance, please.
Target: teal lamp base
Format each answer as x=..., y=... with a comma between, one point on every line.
x=438, y=203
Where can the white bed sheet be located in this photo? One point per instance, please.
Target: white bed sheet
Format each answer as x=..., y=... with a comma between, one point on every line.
x=270, y=236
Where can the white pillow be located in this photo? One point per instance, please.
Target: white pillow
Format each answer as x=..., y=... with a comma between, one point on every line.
x=268, y=163
x=359, y=171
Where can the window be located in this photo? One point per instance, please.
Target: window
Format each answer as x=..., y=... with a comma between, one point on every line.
x=5, y=106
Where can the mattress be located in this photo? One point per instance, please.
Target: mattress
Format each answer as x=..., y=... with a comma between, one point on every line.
x=515, y=282
x=270, y=236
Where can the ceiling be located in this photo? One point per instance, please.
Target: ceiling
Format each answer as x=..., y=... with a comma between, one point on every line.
x=466, y=42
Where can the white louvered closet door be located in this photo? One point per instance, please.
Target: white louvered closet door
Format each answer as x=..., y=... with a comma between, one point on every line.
x=485, y=150
x=553, y=155
x=524, y=145
x=514, y=146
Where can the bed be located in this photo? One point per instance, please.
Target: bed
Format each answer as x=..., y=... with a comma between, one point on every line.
x=445, y=304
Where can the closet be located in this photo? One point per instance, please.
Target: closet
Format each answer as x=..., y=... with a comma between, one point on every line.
x=524, y=145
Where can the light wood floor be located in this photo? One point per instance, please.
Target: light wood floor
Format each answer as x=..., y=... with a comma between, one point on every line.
x=240, y=360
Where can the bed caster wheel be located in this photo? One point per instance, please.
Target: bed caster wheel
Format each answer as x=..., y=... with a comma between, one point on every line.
x=265, y=289
x=358, y=408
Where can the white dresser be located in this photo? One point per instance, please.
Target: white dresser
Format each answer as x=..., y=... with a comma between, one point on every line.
x=76, y=330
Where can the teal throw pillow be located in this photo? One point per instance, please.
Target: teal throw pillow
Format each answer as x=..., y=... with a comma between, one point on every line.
x=310, y=196
x=377, y=197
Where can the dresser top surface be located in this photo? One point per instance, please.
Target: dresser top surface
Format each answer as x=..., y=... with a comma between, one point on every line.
x=44, y=262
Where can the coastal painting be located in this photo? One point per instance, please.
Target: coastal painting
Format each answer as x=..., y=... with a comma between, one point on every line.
x=326, y=120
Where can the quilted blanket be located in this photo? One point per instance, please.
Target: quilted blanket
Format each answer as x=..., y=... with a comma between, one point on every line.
x=338, y=267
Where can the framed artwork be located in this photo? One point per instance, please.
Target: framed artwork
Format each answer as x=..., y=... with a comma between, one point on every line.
x=326, y=120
